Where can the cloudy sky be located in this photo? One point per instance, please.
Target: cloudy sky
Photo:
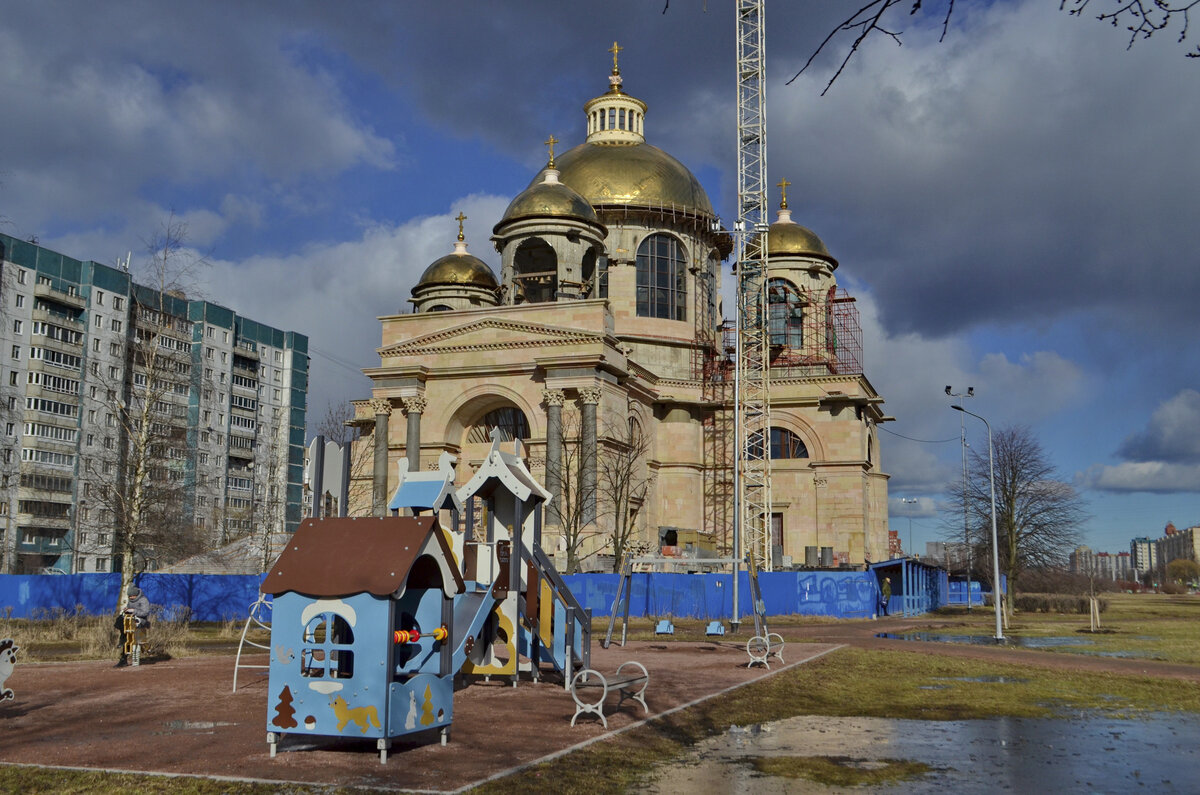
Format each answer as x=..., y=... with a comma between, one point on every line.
x=1014, y=208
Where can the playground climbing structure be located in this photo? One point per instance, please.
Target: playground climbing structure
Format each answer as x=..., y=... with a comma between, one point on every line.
x=374, y=618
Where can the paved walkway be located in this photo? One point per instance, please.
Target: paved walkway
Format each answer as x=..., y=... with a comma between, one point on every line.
x=179, y=717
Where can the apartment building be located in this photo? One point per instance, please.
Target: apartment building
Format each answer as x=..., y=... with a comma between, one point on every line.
x=105, y=382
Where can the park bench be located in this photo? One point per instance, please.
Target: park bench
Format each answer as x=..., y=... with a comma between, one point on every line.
x=762, y=648
x=590, y=682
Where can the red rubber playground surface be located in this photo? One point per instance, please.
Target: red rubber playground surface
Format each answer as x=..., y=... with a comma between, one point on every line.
x=180, y=717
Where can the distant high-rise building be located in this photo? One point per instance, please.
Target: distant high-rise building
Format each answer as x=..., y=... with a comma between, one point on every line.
x=1102, y=565
x=1179, y=544
x=1144, y=554
x=94, y=367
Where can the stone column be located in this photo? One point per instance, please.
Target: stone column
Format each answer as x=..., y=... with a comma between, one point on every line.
x=553, y=398
x=379, y=474
x=414, y=407
x=589, y=397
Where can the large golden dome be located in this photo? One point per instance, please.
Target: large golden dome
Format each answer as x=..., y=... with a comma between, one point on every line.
x=550, y=199
x=458, y=268
x=637, y=174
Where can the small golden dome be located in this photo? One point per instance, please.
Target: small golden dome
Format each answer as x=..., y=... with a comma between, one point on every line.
x=550, y=199
x=637, y=174
x=791, y=238
x=458, y=268
x=786, y=238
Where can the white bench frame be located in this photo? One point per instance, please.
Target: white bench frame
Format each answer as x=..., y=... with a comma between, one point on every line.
x=762, y=648
x=627, y=686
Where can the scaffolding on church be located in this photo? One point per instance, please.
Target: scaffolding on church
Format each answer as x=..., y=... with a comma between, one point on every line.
x=813, y=332
x=826, y=340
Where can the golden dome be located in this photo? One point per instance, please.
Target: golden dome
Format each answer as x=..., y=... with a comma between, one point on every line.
x=791, y=238
x=550, y=199
x=637, y=174
x=458, y=268
x=786, y=238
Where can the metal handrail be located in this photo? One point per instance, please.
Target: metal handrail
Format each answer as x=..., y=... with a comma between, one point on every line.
x=255, y=617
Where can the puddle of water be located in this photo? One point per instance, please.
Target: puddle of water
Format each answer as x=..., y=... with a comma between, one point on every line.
x=1000, y=680
x=987, y=640
x=1126, y=654
x=1087, y=754
x=201, y=726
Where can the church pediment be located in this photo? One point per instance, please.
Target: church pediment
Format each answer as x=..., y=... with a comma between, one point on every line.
x=490, y=334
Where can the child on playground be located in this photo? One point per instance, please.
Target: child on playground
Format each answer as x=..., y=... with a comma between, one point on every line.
x=138, y=607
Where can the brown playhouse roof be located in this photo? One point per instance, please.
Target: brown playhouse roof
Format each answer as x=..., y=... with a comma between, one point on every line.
x=343, y=556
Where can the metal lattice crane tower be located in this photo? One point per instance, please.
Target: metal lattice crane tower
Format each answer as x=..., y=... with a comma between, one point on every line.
x=753, y=357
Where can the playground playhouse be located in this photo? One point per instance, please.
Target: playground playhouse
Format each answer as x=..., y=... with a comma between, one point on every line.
x=375, y=618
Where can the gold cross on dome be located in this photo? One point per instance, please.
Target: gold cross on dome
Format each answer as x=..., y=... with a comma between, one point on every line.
x=550, y=142
x=615, y=49
x=783, y=185
x=460, y=220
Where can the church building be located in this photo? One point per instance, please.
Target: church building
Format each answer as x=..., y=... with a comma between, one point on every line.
x=601, y=347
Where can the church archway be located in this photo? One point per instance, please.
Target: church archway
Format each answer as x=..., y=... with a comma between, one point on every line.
x=510, y=420
x=535, y=271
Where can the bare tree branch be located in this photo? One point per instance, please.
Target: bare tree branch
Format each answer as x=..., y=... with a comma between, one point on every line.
x=1142, y=18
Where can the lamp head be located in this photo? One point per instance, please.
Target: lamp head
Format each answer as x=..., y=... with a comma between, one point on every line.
x=957, y=407
x=947, y=389
x=970, y=391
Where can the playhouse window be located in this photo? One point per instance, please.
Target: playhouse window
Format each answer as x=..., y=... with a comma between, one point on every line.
x=328, y=648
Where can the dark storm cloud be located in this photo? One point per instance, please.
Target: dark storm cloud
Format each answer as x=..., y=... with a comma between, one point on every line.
x=1026, y=167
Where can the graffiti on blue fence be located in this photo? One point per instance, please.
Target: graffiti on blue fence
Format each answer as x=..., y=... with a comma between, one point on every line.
x=842, y=594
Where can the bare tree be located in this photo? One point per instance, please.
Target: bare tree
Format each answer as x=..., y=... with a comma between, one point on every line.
x=338, y=426
x=1141, y=18
x=1037, y=516
x=135, y=482
x=623, y=479
x=574, y=509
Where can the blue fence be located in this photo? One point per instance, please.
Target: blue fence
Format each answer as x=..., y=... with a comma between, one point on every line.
x=840, y=594
x=958, y=592
x=217, y=597
x=210, y=597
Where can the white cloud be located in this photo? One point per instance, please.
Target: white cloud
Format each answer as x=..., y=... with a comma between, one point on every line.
x=334, y=292
x=1142, y=476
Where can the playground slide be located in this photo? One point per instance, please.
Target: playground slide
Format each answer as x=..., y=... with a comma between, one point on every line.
x=471, y=611
x=560, y=616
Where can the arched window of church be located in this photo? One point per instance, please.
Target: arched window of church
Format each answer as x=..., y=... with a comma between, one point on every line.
x=510, y=420
x=785, y=314
x=439, y=308
x=535, y=272
x=661, y=278
x=785, y=444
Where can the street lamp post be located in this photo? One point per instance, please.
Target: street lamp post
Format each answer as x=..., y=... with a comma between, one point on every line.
x=962, y=435
x=995, y=540
x=910, y=501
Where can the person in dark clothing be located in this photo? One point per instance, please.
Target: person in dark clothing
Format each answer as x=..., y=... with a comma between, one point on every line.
x=138, y=607
x=885, y=595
